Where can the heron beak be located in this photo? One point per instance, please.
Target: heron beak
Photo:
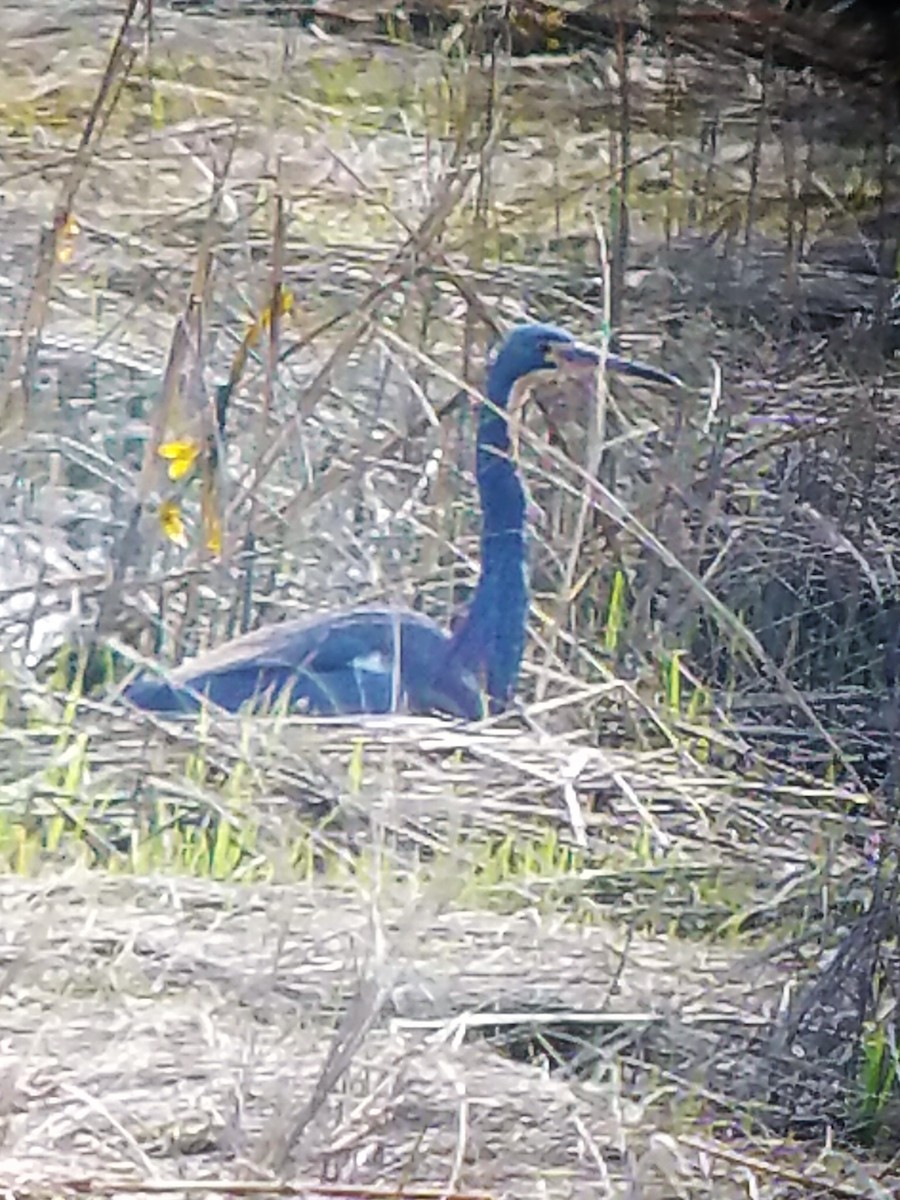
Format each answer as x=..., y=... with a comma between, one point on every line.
x=580, y=358
x=639, y=370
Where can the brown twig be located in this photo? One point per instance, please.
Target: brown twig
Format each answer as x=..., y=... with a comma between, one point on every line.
x=238, y=1187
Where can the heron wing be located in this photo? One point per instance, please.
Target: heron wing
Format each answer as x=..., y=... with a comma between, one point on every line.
x=371, y=660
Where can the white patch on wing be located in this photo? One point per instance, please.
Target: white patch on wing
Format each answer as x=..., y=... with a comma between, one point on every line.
x=366, y=667
x=469, y=679
x=374, y=662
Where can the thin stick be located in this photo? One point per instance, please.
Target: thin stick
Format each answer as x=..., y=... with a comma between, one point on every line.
x=240, y=1187
x=13, y=392
x=818, y=1183
x=596, y=439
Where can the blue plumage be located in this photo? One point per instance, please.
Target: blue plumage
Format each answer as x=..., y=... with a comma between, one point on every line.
x=330, y=664
x=380, y=660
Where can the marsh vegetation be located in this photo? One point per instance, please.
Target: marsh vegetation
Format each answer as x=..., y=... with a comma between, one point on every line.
x=636, y=938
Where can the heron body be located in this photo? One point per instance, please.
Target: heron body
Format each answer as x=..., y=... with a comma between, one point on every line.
x=362, y=660
x=380, y=659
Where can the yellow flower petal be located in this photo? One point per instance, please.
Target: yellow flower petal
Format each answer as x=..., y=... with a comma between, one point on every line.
x=65, y=241
x=214, y=536
x=180, y=455
x=212, y=525
x=254, y=331
x=172, y=524
x=209, y=513
x=264, y=320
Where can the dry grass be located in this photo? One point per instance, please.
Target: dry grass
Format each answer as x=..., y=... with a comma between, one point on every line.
x=564, y=954
x=393, y=1018
x=167, y=1024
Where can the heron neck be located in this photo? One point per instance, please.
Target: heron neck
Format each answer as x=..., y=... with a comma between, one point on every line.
x=491, y=638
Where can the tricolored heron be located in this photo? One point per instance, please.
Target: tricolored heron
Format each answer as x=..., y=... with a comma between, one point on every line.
x=382, y=660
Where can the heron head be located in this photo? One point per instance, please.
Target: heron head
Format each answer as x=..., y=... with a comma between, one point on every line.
x=531, y=353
